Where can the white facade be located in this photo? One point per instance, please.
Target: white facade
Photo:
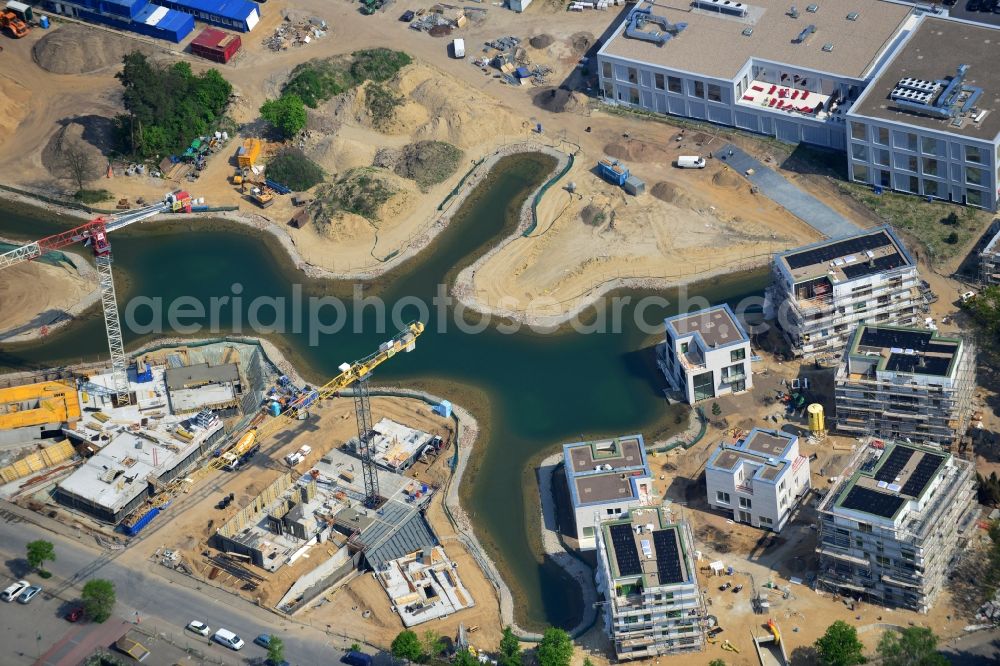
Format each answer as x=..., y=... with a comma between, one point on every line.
x=707, y=354
x=759, y=479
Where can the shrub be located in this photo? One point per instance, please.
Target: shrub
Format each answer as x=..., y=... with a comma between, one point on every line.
x=92, y=196
x=381, y=104
x=292, y=168
x=378, y=64
x=287, y=113
x=360, y=191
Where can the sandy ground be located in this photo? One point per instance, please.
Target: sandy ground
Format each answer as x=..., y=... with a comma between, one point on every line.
x=38, y=297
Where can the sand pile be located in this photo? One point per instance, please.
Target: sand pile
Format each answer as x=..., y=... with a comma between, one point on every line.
x=36, y=293
x=664, y=191
x=727, y=179
x=14, y=100
x=72, y=137
x=76, y=49
x=559, y=100
x=633, y=150
x=593, y=215
x=580, y=42
x=541, y=41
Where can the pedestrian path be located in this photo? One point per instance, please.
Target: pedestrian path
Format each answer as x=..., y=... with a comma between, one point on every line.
x=799, y=203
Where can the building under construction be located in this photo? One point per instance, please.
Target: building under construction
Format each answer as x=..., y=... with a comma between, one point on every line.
x=821, y=292
x=989, y=258
x=37, y=411
x=906, y=383
x=892, y=526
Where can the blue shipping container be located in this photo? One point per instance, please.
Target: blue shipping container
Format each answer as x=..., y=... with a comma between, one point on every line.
x=132, y=530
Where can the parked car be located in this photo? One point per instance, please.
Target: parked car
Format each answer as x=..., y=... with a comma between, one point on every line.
x=407, y=16
x=28, y=594
x=968, y=296
x=75, y=614
x=972, y=6
x=229, y=639
x=264, y=640
x=14, y=590
x=199, y=627
x=353, y=658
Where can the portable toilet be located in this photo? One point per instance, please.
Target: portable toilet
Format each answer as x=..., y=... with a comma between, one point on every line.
x=443, y=409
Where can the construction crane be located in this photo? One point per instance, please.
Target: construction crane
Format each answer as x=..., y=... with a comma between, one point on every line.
x=95, y=234
x=248, y=441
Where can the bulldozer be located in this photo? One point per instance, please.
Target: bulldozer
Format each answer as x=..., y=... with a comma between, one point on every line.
x=14, y=25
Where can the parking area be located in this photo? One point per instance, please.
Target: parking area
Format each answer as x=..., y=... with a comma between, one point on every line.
x=961, y=9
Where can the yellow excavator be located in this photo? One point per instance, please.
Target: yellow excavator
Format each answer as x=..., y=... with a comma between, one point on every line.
x=250, y=439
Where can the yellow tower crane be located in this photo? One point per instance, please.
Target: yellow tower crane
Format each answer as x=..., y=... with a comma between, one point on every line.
x=350, y=374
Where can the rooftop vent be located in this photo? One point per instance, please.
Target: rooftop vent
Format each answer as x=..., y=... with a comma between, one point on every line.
x=812, y=9
x=853, y=16
x=828, y=47
x=747, y=32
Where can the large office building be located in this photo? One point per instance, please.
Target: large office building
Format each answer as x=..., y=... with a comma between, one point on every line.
x=891, y=527
x=759, y=479
x=908, y=96
x=905, y=383
x=929, y=123
x=645, y=570
x=706, y=354
x=606, y=479
x=820, y=293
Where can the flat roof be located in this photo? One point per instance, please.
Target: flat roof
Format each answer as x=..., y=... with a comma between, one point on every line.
x=766, y=449
x=645, y=546
x=933, y=53
x=396, y=444
x=891, y=477
x=38, y=404
x=606, y=470
x=915, y=351
x=716, y=326
x=848, y=258
x=200, y=374
x=713, y=44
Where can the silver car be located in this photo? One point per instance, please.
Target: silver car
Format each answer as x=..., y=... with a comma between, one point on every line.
x=29, y=594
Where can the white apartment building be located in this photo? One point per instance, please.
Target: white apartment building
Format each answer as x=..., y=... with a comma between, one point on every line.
x=929, y=123
x=759, y=479
x=646, y=572
x=821, y=292
x=707, y=354
x=905, y=383
x=606, y=478
x=891, y=527
x=989, y=258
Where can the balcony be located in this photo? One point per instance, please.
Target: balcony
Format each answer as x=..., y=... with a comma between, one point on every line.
x=745, y=488
x=733, y=377
x=692, y=361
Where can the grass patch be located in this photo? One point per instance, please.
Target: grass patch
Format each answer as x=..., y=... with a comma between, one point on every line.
x=316, y=81
x=292, y=168
x=943, y=228
x=92, y=196
x=360, y=191
x=381, y=104
x=428, y=162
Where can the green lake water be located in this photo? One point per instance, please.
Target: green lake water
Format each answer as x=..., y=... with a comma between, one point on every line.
x=531, y=392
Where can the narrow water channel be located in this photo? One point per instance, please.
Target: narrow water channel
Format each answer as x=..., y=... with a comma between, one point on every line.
x=530, y=391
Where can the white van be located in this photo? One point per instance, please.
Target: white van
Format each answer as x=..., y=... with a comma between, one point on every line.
x=691, y=162
x=229, y=639
x=17, y=588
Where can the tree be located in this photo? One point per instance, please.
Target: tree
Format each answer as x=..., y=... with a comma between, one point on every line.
x=77, y=163
x=355, y=647
x=912, y=646
x=98, y=598
x=465, y=658
x=840, y=646
x=555, y=648
x=510, y=648
x=951, y=238
x=287, y=113
x=407, y=646
x=716, y=662
x=431, y=644
x=951, y=219
x=275, y=651
x=716, y=410
x=40, y=552
x=588, y=662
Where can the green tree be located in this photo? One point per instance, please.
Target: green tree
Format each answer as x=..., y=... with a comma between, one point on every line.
x=951, y=238
x=555, y=648
x=465, y=658
x=510, y=648
x=40, y=552
x=716, y=662
x=355, y=647
x=406, y=645
x=840, y=646
x=431, y=644
x=98, y=598
x=275, y=651
x=716, y=409
x=588, y=662
x=912, y=646
x=287, y=113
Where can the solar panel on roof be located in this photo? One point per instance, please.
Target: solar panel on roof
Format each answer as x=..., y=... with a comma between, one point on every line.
x=921, y=476
x=924, y=365
x=894, y=465
x=872, y=501
x=668, y=561
x=625, y=551
x=827, y=253
x=886, y=263
x=895, y=338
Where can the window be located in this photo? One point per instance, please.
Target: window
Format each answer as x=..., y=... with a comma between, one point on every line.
x=738, y=354
x=906, y=162
x=858, y=131
x=633, y=95
x=684, y=347
x=674, y=84
x=745, y=503
x=914, y=185
x=974, y=197
x=609, y=90
x=859, y=151
x=931, y=167
x=659, y=82
x=974, y=176
x=714, y=93
x=882, y=157
x=606, y=70
x=973, y=154
x=766, y=521
x=931, y=188
x=928, y=145
x=721, y=497
x=644, y=78
x=698, y=88
x=865, y=528
x=906, y=140
x=588, y=532
x=883, y=561
x=859, y=173
x=882, y=136
x=633, y=75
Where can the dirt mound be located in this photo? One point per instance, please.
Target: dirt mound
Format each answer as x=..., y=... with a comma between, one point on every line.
x=69, y=149
x=727, y=179
x=427, y=162
x=664, y=192
x=559, y=100
x=634, y=150
x=541, y=41
x=77, y=49
x=581, y=42
x=593, y=215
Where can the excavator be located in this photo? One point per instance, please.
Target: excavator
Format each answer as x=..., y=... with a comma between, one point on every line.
x=13, y=24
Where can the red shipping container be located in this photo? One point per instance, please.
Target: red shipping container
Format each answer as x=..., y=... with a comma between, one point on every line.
x=215, y=45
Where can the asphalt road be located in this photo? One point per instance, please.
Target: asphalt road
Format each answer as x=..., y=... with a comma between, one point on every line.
x=154, y=601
